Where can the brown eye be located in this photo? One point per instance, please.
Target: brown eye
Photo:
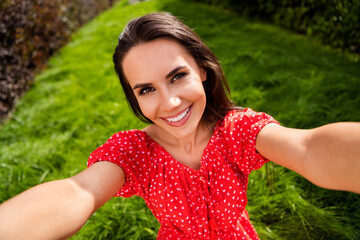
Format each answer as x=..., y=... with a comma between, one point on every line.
x=146, y=90
x=178, y=76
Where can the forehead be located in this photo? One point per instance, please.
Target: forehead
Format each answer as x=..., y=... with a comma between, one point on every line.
x=155, y=59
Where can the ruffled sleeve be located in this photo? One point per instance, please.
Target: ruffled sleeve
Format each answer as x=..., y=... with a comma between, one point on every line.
x=127, y=150
x=242, y=128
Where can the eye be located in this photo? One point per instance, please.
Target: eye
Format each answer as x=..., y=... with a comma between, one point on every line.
x=178, y=76
x=146, y=90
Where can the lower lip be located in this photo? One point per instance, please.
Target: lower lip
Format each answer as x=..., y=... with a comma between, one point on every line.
x=180, y=122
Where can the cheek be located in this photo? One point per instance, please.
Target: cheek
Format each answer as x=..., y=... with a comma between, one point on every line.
x=148, y=108
x=196, y=91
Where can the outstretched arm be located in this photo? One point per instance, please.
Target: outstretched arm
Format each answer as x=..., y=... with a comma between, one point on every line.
x=328, y=156
x=58, y=209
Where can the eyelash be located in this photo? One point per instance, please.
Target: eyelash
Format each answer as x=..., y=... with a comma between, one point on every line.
x=146, y=90
x=177, y=76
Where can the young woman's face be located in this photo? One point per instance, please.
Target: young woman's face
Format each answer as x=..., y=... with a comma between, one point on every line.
x=167, y=83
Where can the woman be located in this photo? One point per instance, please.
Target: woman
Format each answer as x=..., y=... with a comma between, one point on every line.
x=191, y=163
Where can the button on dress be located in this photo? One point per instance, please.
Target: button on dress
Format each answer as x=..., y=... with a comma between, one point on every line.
x=208, y=203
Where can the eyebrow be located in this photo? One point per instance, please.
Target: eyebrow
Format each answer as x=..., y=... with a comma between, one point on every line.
x=141, y=85
x=172, y=72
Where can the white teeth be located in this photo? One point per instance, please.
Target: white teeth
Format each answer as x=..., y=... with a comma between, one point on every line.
x=178, y=118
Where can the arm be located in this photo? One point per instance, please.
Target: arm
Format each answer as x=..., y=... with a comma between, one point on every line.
x=58, y=209
x=328, y=156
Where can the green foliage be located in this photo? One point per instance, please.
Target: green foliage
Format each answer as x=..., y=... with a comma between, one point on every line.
x=333, y=22
x=77, y=103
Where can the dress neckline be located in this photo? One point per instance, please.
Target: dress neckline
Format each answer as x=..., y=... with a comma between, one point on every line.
x=181, y=165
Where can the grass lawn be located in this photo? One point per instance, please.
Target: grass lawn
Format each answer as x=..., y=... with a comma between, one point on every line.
x=77, y=103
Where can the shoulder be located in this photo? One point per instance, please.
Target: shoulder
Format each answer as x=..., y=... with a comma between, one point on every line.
x=129, y=150
x=124, y=142
x=244, y=118
x=128, y=137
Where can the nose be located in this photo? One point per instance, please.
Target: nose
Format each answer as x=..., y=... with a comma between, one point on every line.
x=169, y=100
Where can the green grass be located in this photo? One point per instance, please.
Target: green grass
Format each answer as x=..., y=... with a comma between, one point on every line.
x=77, y=103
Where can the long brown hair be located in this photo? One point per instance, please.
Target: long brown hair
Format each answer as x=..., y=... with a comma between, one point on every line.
x=164, y=25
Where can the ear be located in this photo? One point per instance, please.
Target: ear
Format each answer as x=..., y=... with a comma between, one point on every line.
x=203, y=75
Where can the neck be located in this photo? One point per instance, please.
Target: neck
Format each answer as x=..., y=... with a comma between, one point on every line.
x=189, y=143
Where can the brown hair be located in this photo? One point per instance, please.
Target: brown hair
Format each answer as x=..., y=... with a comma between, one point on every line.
x=164, y=25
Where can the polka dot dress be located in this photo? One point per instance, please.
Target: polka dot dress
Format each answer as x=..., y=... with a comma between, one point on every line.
x=208, y=203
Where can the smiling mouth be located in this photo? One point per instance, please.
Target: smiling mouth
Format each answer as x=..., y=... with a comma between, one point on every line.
x=180, y=117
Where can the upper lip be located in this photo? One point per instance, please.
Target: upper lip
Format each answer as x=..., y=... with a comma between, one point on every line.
x=177, y=114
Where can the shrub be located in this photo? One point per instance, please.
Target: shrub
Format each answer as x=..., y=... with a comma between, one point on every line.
x=30, y=32
x=334, y=22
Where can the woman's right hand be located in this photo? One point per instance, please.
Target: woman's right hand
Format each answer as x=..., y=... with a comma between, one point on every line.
x=58, y=209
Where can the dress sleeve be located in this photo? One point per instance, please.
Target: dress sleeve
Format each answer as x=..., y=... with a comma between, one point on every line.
x=243, y=128
x=125, y=149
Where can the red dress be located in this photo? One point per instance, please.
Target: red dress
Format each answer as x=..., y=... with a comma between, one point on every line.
x=208, y=203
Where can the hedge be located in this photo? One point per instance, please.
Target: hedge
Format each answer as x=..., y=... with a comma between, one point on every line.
x=334, y=22
x=30, y=32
